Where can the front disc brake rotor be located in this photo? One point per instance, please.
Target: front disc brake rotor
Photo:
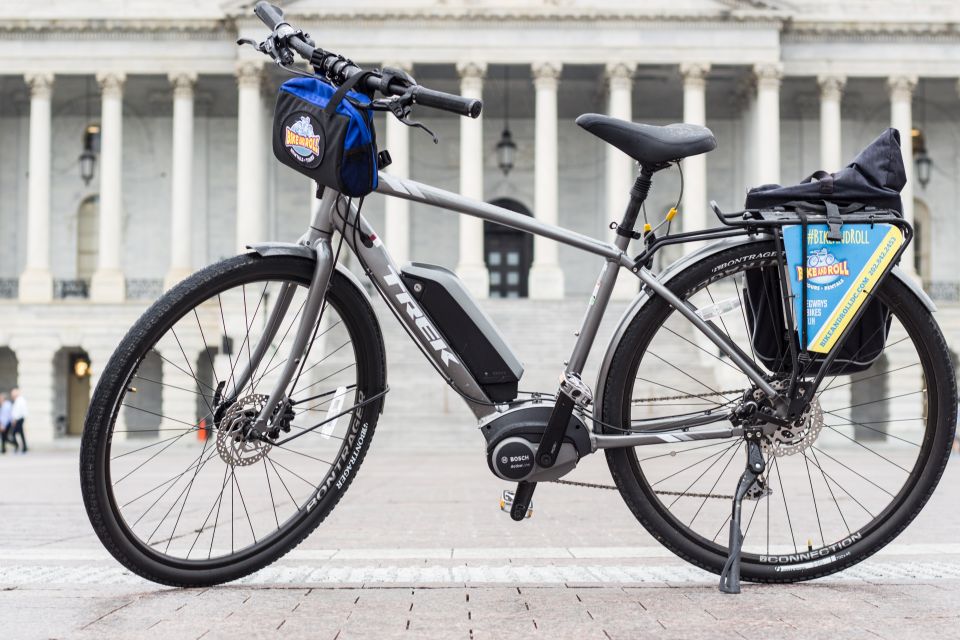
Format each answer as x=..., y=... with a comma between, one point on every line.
x=237, y=443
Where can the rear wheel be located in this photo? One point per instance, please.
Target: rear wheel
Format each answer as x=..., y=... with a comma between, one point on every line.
x=173, y=488
x=867, y=459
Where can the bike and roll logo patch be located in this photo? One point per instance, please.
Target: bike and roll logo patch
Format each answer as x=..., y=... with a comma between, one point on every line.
x=838, y=276
x=303, y=139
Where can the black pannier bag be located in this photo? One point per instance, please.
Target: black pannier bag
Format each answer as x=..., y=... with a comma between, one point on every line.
x=873, y=179
x=327, y=134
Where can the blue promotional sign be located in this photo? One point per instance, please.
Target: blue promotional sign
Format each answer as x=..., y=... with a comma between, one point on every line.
x=838, y=275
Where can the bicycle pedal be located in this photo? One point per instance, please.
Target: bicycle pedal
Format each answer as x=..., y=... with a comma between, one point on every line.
x=506, y=503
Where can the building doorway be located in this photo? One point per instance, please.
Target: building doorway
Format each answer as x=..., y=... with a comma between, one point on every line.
x=88, y=240
x=508, y=254
x=8, y=370
x=143, y=409
x=72, y=393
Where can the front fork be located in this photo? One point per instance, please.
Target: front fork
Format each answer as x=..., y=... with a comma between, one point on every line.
x=318, y=239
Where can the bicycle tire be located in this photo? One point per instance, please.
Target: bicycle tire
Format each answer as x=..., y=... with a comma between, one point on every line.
x=657, y=519
x=357, y=314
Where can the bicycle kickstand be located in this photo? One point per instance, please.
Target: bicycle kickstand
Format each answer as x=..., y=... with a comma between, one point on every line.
x=730, y=576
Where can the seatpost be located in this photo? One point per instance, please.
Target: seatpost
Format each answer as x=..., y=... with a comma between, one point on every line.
x=638, y=193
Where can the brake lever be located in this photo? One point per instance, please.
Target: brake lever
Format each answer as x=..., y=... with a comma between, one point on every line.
x=401, y=107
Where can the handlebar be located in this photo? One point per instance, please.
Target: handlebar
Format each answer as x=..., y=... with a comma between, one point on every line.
x=269, y=14
x=339, y=69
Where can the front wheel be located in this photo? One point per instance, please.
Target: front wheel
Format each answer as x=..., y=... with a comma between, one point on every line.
x=175, y=485
x=847, y=482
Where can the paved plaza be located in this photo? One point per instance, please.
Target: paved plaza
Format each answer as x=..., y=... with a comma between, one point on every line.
x=419, y=549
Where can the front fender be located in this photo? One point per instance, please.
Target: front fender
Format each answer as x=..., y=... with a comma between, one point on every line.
x=267, y=249
x=678, y=266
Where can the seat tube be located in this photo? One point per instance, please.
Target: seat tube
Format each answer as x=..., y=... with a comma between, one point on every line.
x=608, y=276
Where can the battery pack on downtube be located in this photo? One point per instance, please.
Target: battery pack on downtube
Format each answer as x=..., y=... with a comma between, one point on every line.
x=556, y=429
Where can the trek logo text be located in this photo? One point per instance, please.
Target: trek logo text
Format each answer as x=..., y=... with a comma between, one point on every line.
x=427, y=329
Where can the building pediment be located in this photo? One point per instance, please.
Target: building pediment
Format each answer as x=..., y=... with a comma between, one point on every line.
x=527, y=9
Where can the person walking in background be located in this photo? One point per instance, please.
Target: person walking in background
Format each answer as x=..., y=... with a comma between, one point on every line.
x=18, y=413
x=6, y=417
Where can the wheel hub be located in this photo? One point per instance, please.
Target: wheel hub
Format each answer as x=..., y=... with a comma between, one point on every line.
x=800, y=434
x=237, y=442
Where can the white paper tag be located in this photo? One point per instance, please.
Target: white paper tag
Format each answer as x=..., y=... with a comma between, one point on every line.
x=720, y=308
x=336, y=406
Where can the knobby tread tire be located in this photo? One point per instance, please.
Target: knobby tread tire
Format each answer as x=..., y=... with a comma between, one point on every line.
x=937, y=442
x=360, y=318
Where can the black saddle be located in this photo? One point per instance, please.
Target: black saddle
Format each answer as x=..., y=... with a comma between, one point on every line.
x=648, y=144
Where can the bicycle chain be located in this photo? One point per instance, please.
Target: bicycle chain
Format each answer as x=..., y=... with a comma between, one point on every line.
x=593, y=485
x=690, y=395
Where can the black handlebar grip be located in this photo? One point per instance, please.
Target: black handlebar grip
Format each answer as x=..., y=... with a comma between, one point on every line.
x=448, y=102
x=269, y=14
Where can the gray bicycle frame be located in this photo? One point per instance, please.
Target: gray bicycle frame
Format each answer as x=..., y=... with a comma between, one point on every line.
x=335, y=214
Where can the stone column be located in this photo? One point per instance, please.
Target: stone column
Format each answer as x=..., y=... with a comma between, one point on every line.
x=252, y=148
x=471, y=266
x=694, y=214
x=749, y=123
x=397, y=211
x=901, y=118
x=36, y=283
x=619, y=166
x=35, y=377
x=768, y=122
x=546, y=277
x=831, y=92
x=181, y=178
x=108, y=283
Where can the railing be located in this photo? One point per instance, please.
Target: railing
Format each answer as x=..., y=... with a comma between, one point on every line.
x=944, y=291
x=9, y=288
x=144, y=288
x=75, y=288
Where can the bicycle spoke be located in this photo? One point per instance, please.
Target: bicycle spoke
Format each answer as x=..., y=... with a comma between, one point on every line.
x=783, y=493
x=830, y=489
x=860, y=424
x=851, y=470
x=714, y=486
x=684, y=492
x=813, y=495
x=860, y=444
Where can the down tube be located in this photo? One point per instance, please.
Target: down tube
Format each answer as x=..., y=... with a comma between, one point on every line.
x=381, y=269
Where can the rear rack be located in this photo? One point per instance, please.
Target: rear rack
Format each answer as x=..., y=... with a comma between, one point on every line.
x=755, y=220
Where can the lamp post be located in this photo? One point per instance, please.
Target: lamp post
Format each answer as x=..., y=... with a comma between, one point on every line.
x=91, y=147
x=506, y=147
x=924, y=164
x=506, y=151
x=922, y=161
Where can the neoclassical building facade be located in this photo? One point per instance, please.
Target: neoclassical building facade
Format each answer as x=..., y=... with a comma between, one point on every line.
x=135, y=140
